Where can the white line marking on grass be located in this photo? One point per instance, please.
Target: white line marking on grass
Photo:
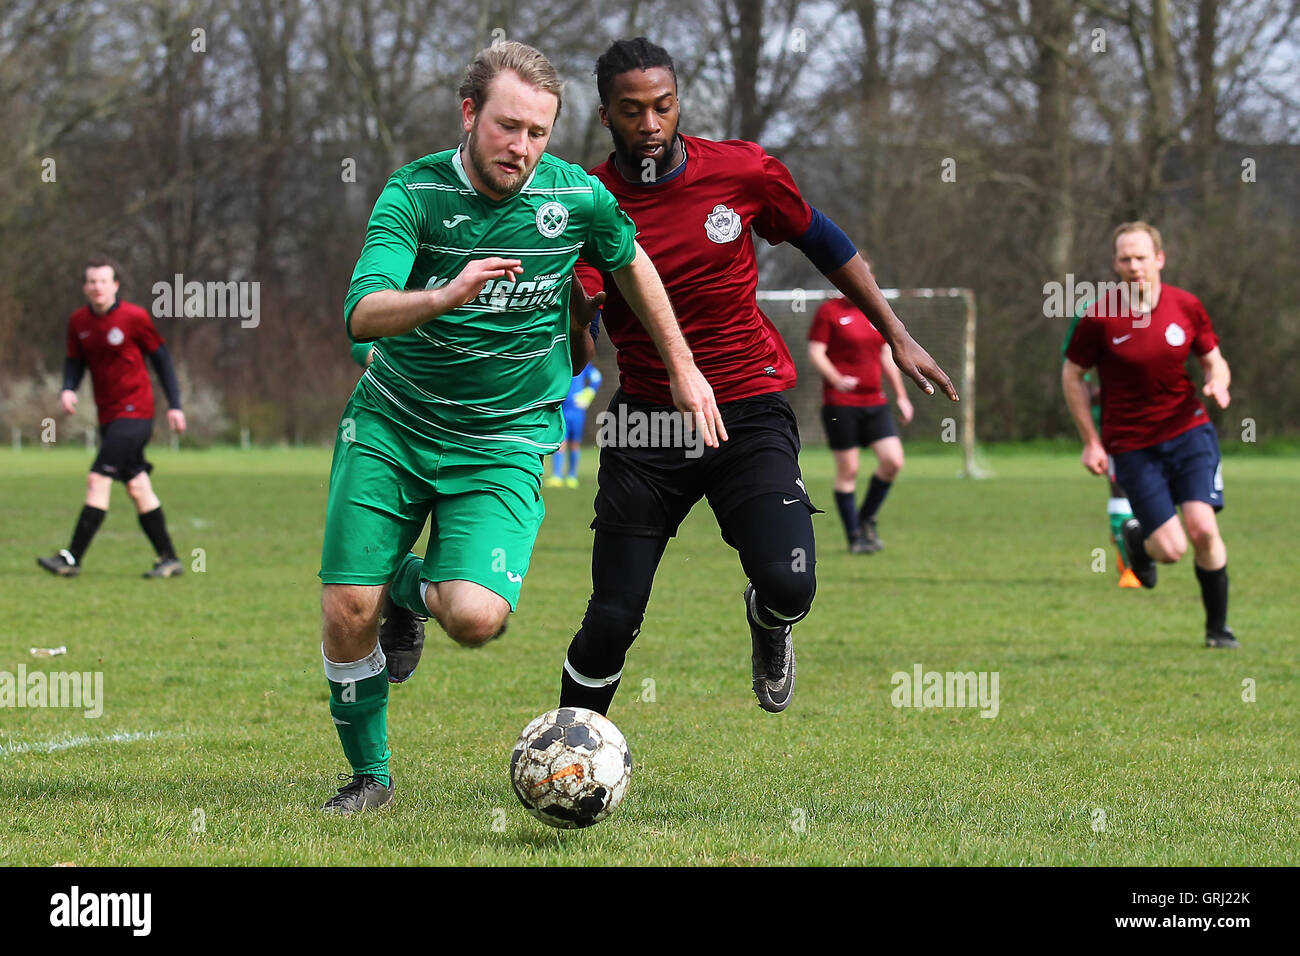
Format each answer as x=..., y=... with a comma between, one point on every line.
x=81, y=740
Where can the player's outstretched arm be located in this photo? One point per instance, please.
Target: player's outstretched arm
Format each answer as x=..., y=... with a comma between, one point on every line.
x=644, y=292
x=1217, y=376
x=1078, y=401
x=855, y=280
x=389, y=312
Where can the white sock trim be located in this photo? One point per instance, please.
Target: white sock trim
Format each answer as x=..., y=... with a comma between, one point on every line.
x=764, y=614
x=1118, y=506
x=424, y=587
x=371, y=665
x=586, y=681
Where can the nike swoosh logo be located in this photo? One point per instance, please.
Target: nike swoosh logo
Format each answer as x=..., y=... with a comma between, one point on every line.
x=789, y=501
x=514, y=578
x=572, y=770
x=341, y=723
x=453, y=223
x=1122, y=338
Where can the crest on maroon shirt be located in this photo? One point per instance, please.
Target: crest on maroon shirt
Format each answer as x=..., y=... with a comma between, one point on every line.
x=722, y=225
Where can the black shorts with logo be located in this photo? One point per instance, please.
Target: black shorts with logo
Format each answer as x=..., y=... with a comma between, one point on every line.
x=121, y=448
x=857, y=426
x=651, y=475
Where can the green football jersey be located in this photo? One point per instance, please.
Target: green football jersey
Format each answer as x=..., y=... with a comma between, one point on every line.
x=494, y=372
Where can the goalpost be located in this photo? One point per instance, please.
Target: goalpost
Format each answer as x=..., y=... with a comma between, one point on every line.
x=942, y=320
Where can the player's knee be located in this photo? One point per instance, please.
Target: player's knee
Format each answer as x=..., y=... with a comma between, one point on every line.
x=600, y=647
x=138, y=487
x=786, y=588
x=347, y=611
x=474, y=627
x=1203, y=537
x=890, y=467
x=1169, y=550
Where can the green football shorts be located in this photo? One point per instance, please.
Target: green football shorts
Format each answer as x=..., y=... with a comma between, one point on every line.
x=387, y=479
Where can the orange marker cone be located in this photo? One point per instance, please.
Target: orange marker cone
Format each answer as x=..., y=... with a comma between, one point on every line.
x=1127, y=579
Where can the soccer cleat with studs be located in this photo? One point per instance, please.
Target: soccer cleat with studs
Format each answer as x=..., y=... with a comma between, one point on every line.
x=363, y=791
x=401, y=636
x=164, y=568
x=61, y=564
x=773, y=660
x=1140, y=563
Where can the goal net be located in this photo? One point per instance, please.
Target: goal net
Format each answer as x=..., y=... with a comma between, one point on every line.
x=941, y=320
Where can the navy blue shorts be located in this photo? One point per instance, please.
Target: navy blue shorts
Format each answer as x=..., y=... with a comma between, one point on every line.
x=1187, y=467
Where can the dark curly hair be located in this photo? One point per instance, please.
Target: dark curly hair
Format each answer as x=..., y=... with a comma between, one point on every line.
x=624, y=55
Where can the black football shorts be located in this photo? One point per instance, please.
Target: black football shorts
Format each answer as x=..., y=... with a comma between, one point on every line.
x=121, y=448
x=652, y=473
x=857, y=426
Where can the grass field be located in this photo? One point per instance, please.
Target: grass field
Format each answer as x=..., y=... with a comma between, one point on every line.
x=1119, y=739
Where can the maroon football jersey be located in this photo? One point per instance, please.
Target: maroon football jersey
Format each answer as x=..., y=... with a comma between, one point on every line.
x=853, y=346
x=697, y=228
x=113, y=346
x=1147, y=397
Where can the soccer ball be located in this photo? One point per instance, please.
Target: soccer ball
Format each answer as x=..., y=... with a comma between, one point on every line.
x=571, y=768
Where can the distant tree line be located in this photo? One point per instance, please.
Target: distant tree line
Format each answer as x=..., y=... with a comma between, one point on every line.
x=966, y=143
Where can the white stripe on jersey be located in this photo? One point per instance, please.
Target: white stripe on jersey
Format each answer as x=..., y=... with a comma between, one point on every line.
x=509, y=356
x=487, y=409
x=491, y=250
x=442, y=186
x=504, y=438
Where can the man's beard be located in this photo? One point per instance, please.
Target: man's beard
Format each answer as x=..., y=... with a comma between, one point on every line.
x=505, y=183
x=628, y=159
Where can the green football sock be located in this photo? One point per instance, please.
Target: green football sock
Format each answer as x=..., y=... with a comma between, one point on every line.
x=360, y=711
x=405, y=588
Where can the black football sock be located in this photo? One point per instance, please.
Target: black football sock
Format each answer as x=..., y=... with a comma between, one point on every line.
x=87, y=524
x=874, y=499
x=1214, y=595
x=848, y=516
x=155, y=528
x=573, y=694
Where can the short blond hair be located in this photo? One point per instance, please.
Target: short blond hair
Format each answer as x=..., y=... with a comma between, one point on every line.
x=519, y=58
x=1137, y=225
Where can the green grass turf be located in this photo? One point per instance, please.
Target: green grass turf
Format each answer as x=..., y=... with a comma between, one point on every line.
x=215, y=717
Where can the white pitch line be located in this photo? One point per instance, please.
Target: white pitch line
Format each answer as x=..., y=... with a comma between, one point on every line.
x=81, y=740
